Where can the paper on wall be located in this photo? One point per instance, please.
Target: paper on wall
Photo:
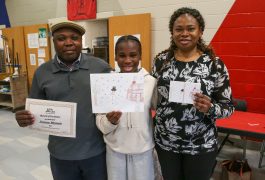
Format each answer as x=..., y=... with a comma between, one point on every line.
x=33, y=40
x=40, y=61
x=43, y=42
x=41, y=52
x=1, y=41
x=32, y=59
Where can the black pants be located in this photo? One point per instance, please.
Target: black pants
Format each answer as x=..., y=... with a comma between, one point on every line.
x=177, y=166
x=93, y=168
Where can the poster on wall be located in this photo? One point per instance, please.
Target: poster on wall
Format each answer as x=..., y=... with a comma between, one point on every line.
x=42, y=37
x=117, y=69
x=81, y=9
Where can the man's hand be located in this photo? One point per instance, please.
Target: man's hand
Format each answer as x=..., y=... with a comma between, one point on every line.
x=24, y=118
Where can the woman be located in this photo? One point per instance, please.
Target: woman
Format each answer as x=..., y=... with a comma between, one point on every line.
x=185, y=134
x=129, y=136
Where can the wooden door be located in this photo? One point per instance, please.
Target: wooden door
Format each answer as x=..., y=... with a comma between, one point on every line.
x=139, y=24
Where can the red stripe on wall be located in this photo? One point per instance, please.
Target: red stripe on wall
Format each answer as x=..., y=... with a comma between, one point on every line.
x=247, y=76
x=256, y=49
x=240, y=42
x=248, y=6
x=255, y=105
x=248, y=90
x=244, y=62
x=230, y=48
x=253, y=19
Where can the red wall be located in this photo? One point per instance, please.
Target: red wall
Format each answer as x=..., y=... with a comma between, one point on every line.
x=240, y=42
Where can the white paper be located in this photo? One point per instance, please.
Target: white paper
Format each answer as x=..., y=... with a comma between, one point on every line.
x=176, y=91
x=182, y=92
x=32, y=58
x=40, y=61
x=33, y=40
x=41, y=52
x=7, y=54
x=53, y=117
x=1, y=41
x=43, y=42
x=190, y=89
x=117, y=91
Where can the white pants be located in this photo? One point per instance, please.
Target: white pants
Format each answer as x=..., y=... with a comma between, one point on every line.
x=130, y=166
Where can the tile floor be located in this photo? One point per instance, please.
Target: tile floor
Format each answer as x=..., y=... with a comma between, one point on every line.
x=24, y=154
x=235, y=152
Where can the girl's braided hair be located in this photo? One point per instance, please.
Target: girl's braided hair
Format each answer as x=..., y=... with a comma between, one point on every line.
x=127, y=38
x=201, y=43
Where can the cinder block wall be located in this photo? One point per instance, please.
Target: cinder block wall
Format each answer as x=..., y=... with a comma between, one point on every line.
x=240, y=41
x=27, y=12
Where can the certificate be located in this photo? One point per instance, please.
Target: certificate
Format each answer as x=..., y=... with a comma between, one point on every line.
x=53, y=117
x=117, y=91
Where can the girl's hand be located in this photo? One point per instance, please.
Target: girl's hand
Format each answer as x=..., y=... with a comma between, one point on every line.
x=114, y=117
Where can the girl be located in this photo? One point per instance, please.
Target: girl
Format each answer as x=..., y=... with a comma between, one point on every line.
x=129, y=136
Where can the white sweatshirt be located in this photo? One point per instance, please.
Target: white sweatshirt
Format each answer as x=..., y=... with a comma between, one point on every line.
x=134, y=133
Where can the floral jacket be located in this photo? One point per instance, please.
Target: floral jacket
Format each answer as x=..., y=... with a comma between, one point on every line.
x=181, y=128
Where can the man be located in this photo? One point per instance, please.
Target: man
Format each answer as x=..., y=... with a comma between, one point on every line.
x=67, y=78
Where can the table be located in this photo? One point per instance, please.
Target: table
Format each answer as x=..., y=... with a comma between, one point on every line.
x=245, y=124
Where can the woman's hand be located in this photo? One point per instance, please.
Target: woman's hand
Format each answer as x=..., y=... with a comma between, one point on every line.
x=114, y=117
x=202, y=102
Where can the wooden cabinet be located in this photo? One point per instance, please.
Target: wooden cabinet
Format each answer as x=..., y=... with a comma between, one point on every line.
x=16, y=97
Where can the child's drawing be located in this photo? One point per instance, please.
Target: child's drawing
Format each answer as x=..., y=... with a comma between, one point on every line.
x=117, y=91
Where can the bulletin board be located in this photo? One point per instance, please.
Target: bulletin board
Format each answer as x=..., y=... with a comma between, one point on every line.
x=37, y=46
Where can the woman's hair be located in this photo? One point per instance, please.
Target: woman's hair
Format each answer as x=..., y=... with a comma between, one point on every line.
x=127, y=38
x=200, y=45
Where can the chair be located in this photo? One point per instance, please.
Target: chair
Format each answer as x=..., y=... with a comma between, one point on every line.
x=240, y=105
x=262, y=150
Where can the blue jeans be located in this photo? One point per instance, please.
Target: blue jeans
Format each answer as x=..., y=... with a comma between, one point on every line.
x=93, y=168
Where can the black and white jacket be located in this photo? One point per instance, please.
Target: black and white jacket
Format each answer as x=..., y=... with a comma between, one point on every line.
x=181, y=128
